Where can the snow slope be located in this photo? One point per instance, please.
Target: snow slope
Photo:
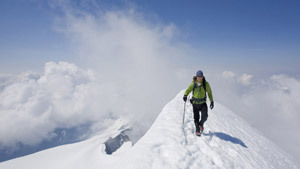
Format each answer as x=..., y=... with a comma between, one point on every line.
x=228, y=142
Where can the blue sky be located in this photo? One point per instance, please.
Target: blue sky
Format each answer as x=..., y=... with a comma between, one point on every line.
x=259, y=36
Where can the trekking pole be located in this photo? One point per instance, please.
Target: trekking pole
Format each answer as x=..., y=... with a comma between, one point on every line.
x=184, y=109
x=183, y=113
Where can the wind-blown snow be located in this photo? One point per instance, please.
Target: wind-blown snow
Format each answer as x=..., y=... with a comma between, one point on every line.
x=228, y=142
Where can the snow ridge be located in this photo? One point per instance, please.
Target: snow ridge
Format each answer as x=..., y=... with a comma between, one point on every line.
x=227, y=142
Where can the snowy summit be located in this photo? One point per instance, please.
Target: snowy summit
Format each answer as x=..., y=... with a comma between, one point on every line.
x=227, y=142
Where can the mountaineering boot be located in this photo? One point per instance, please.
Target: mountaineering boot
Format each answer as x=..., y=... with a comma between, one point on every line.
x=198, y=131
x=201, y=129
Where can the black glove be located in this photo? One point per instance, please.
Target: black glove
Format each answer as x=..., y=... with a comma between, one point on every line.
x=211, y=105
x=184, y=98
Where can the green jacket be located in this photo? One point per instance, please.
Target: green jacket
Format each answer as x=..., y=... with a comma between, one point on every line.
x=199, y=92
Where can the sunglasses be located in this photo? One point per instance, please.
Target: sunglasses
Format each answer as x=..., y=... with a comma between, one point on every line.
x=199, y=76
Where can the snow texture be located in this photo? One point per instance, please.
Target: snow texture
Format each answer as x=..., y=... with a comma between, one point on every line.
x=227, y=142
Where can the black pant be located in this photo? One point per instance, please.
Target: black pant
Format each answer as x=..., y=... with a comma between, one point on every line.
x=196, y=109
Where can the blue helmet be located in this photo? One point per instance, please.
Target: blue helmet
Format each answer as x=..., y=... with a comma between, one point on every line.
x=199, y=73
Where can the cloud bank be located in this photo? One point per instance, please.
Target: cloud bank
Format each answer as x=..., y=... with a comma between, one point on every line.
x=140, y=59
x=34, y=105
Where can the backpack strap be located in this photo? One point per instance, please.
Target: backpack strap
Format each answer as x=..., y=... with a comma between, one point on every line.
x=204, y=85
x=194, y=88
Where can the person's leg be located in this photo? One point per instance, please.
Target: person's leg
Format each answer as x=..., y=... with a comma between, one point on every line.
x=196, y=110
x=204, y=114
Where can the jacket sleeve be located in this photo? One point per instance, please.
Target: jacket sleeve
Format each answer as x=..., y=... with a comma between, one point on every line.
x=208, y=89
x=189, y=89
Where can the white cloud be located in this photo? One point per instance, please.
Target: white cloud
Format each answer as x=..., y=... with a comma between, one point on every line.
x=245, y=79
x=141, y=59
x=228, y=74
x=34, y=105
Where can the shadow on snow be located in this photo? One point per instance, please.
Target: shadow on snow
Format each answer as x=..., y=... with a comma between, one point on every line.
x=226, y=137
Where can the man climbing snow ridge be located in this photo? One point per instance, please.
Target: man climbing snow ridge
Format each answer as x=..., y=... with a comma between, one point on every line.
x=199, y=87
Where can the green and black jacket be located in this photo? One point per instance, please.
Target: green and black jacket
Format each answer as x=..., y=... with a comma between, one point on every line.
x=199, y=92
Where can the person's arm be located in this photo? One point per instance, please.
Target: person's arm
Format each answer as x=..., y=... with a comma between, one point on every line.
x=208, y=89
x=189, y=89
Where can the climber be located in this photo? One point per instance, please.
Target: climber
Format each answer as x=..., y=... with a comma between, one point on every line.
x=199, y=86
